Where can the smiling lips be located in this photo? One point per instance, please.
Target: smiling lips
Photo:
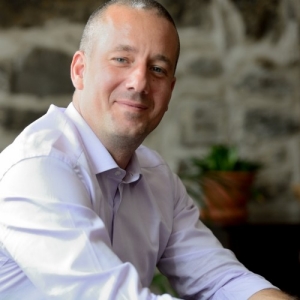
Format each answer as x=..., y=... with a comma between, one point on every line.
x=133, y=104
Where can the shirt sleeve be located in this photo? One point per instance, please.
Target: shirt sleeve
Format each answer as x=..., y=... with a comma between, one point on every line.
x=53, y=243
x=198, y=266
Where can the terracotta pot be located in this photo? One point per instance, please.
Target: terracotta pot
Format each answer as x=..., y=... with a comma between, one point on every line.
x=225, y=195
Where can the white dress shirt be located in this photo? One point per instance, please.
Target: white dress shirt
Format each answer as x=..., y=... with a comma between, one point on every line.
x=73, y=225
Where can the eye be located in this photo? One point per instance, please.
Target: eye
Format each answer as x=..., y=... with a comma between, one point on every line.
x=121, y=60
x=158, y=70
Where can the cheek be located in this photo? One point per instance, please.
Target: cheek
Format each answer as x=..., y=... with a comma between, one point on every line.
x=109, y=82
x=163, y=97
x=103, y=76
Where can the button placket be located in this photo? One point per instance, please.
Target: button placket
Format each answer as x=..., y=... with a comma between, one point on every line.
x=116, y=204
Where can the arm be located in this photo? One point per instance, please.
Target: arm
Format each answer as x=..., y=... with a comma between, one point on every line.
x=271, y=294
x=54, y=243
x=197, y=264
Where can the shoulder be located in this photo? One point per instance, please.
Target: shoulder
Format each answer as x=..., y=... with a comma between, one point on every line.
x=154, y=168
x=163, y=182
x=149, y=158
x=52, y=135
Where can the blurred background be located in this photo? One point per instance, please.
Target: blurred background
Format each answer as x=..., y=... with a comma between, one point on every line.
x=238, y=83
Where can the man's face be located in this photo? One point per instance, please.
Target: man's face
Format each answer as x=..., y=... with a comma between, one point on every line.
x=128, y=78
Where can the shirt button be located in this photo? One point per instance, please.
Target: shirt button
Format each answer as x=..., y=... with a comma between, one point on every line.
x=117, y=173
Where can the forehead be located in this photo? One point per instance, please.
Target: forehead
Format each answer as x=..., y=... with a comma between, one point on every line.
x=136, y=18
x=126, y=25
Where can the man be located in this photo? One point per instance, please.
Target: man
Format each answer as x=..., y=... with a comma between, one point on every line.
x=88, y=213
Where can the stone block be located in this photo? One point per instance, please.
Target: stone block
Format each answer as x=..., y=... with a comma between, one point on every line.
x=189, y=12
x=36, y=12
x=260, y=17
x=43, y=72
x=273, y=184
x=5, y=76
x=206, y=67
x=200, y=88
x=269, y=154
x=267, y=124
x=14, y=119
x=202, y=123
x=265, y=84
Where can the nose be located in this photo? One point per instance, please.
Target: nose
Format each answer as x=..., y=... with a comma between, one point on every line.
x=137, y=80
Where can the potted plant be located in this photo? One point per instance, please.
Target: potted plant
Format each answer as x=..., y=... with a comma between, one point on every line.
x=225, y=183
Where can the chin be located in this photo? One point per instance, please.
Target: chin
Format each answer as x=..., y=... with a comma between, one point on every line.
x=130, y=134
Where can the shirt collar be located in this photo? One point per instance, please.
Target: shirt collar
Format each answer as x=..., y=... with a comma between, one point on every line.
x=100, y=158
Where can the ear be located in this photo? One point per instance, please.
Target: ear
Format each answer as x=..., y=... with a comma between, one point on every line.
x=77, y=70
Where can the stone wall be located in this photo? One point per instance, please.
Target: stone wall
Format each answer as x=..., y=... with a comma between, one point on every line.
x=238, y=82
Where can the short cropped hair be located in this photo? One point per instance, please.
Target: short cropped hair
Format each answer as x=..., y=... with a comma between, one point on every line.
x=88, y=32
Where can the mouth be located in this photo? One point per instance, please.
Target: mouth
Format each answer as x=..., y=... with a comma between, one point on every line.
x=133, y=105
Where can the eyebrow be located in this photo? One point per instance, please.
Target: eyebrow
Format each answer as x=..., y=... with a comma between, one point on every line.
x=163, y=58
x=159, y=57
x=126, y=48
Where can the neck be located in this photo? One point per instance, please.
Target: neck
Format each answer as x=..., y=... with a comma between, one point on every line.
x=121, y=159
x=121, y=150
